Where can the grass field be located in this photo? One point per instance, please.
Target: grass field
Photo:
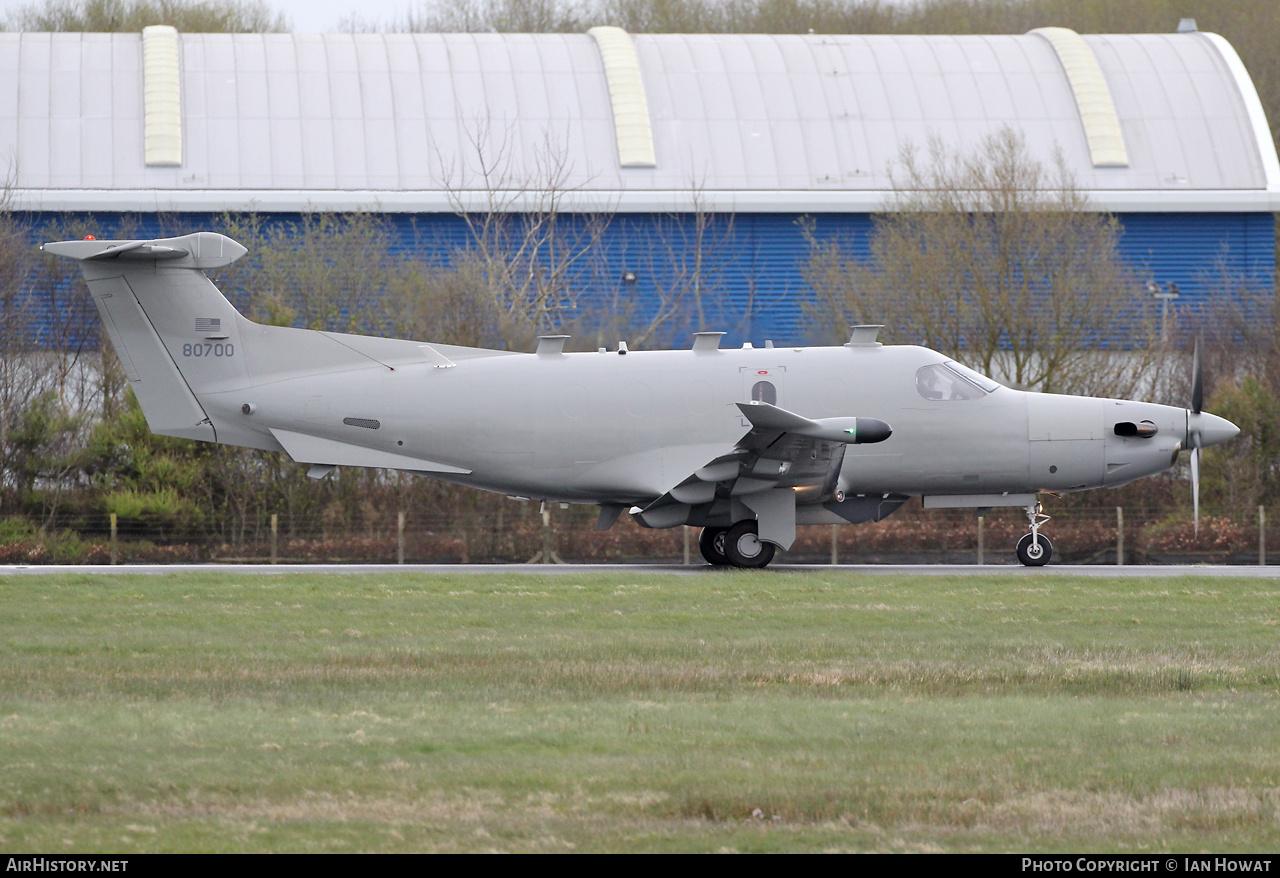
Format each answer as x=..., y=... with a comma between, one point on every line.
x=590, y=712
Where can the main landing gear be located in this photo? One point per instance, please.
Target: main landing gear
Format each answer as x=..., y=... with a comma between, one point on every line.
x=1035, y=550
x=711, y=544
x=737, y=546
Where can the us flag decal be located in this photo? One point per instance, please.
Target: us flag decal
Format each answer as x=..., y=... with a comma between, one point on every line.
x=208, y=324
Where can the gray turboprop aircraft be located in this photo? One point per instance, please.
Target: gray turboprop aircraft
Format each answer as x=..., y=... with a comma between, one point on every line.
x=745, y=443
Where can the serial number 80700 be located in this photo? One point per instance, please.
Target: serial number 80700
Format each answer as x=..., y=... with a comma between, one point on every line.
x=209, y=350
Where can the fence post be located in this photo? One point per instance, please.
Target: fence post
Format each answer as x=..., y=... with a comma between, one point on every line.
x=1262, y=536
x=275, y=530
x=1119, y=536
x=982, y=546
x=835, y=541
x=114, y=554
x=685, y=528
x=399, y=537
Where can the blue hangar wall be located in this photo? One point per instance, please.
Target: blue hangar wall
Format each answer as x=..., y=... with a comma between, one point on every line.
x=755, y=290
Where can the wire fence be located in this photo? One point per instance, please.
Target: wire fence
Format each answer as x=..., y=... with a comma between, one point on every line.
x=1087, y=535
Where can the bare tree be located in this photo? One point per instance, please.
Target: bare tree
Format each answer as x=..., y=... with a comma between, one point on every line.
x=1000, y=262
x=508, y=16
x=50, y=376
x=679, y=259
x=532, y=258
x=544, y=269
x=18, y=384
x=66, y=339
x=131, y=16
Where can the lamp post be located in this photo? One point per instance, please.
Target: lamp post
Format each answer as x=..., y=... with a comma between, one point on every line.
x=1164, y=296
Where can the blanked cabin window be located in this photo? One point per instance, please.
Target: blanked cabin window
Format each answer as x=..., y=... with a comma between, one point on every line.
x=764, y=391
x=950, y=380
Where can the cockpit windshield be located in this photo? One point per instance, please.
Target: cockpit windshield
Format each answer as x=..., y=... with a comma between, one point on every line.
x=977, y=378
x=950, y=380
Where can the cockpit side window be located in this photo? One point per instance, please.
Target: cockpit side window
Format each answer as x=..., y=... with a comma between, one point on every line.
x=942, y=382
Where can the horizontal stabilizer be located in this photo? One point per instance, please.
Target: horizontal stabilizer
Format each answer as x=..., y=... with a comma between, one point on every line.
x=140, y=250
x=852, y=431
x=202, y=250
x=314, y=449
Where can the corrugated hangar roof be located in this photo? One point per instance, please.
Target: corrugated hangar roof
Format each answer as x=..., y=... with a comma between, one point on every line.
x=612, y=121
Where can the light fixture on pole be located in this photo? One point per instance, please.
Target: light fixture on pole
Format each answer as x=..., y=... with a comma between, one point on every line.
x=1164, y=296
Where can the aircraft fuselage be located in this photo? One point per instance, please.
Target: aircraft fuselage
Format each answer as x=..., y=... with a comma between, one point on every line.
x=593, y=427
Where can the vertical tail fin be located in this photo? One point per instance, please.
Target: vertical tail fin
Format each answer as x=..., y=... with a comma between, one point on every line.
x=174, y=332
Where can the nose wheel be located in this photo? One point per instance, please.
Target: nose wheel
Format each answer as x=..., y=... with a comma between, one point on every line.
x=1034, y=549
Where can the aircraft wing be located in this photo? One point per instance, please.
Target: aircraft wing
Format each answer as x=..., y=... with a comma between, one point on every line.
x=781, y=450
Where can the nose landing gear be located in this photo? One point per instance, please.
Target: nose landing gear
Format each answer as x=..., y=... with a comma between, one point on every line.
x=1033, y=549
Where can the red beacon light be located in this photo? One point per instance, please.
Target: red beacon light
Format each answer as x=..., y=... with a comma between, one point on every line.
x=90, y=238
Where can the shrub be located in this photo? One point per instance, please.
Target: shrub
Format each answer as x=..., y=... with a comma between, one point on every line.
x=1217, y=536
x=16, y=529
x=163, y=509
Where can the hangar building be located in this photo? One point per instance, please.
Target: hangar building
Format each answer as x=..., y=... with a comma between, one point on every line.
x=1164, y=130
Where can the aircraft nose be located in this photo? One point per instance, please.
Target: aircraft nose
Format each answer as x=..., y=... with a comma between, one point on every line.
x=1213, y=430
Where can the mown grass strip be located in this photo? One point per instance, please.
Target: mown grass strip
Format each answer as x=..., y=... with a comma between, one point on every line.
x=403, y=712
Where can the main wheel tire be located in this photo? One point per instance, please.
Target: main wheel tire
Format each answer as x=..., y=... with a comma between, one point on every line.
x=711, y=544
x=743, y=547
x=1032, y=555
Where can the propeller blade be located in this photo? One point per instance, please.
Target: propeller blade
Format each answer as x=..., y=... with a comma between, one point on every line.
x=1195, y=486
x=1193, y=432
x=1197, y=378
